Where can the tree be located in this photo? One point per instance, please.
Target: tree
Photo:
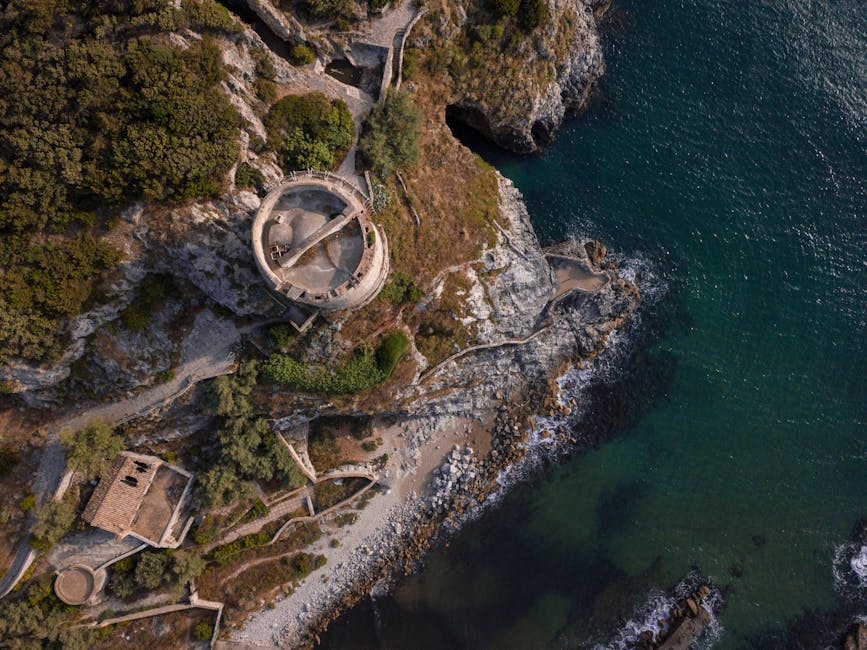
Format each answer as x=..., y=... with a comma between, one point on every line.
x=152, y=570
x=53, y=521
x=310, y=131
x=222, y=485
x=186, y=567
x=391, y=135
x=88, y=450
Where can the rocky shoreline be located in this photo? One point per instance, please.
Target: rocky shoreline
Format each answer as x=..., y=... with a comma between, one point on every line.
x=506, y=386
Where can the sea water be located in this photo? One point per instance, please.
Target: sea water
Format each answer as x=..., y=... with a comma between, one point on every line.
x=724, y=157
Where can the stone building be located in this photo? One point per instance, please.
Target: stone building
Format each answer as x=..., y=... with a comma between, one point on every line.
x=316, y=245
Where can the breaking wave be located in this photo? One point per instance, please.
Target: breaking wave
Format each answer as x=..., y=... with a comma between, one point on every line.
x=652, y=615
x=850, y=571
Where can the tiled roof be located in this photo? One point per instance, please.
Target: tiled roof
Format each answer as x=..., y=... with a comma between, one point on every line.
x=120, y=492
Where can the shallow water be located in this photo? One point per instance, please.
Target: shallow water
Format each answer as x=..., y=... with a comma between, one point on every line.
x=726, y=152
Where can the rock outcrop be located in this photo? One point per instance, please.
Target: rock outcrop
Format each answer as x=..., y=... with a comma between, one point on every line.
x=520, y=100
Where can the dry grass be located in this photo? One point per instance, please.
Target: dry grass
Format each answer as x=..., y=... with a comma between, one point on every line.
x=171, y=631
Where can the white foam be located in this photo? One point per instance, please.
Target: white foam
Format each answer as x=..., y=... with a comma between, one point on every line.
x=652, y=616
x=850, y=570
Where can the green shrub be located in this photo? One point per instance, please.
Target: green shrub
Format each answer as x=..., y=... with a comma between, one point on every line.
x=164, y=376
x=376, y=5
x=53, y=521
x=504, y=7
x=401, y=289
x=301, y=55
x=330, y=9
x=265, y=90
x=391, y=351
x=150, y=295
x=27, y=502
x=532, y=14
x=281, y=335
x=391, y=135
x=226, y=553
x=264, y=67
x=248, y=176
x=365, y=367
x=88, y=450
x=204, y=631
x=310, y=131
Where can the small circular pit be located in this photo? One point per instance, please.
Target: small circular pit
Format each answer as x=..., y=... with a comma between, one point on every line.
x=74, y=585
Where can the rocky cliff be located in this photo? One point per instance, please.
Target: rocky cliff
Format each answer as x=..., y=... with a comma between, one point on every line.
x=519, y=98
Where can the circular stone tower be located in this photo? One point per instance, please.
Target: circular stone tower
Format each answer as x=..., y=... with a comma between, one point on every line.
x=315, y=243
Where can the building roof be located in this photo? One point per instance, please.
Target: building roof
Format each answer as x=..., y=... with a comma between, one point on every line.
x=128, y=499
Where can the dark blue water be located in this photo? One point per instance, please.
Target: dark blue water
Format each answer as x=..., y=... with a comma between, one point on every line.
x=727, y=152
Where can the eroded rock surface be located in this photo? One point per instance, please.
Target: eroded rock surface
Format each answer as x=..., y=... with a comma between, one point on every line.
x=520, y=100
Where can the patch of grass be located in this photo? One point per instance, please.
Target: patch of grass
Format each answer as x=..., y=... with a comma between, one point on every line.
x=371, y=445
x=323, y=450
x=401, y=289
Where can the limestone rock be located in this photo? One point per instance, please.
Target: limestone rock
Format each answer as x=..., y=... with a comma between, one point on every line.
x=552, y=73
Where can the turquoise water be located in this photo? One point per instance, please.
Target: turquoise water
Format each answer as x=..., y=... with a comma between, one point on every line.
x=726, y=151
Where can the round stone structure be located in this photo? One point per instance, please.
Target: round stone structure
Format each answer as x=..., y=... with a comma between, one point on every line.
x=75, y=584
x=315, y=243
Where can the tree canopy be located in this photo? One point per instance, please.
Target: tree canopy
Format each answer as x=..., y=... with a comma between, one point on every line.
x=97, y=109
x=88, y=450
x=391, y=134
x=249, y=451
x=310, y=131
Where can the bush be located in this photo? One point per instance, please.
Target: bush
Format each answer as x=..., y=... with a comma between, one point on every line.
x=203, y=631
x=310, y=131
x=364, y=368
x=150, y=295
x=330, y=9
x=27, y=503
x=53, y=521
x=88, y=450
x=301, y=55
x=391, y=135
x=264, y=67
x=281, y=335
x=401, y=289
x=248, y=176
x=504, y=7
x=226, y=553
x=376, y=5
x=532, y=14
x=391, y=351
x=265, y=90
